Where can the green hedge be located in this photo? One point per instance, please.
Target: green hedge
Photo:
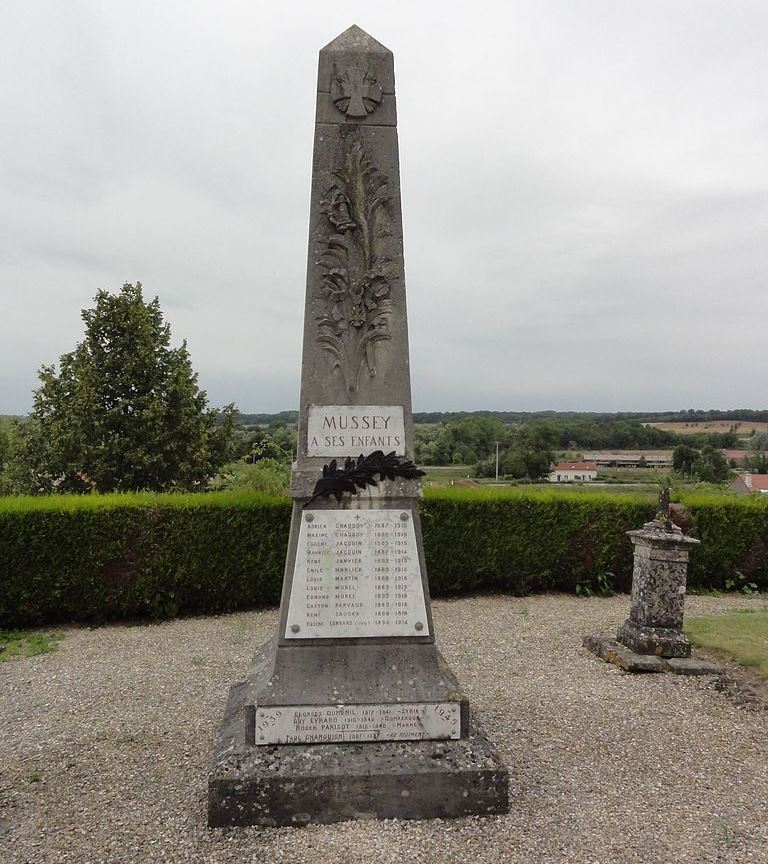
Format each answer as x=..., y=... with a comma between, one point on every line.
x=523, y=542
x=100, y=558
x=125, y=556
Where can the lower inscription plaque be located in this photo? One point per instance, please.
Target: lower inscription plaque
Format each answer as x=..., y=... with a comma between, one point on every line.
x=357, y=574
x=326, y=724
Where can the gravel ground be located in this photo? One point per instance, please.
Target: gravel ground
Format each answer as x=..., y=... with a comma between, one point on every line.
x=104, y=748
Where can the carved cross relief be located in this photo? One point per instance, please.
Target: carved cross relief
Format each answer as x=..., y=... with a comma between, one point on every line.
x=355, y=92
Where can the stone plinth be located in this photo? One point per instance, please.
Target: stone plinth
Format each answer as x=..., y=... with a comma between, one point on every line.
x=608, y=649
x=299, y=784
x=655, y=622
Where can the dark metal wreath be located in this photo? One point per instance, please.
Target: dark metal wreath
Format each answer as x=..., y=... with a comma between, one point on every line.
x=362, y=472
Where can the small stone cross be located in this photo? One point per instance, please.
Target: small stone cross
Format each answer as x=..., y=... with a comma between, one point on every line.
x=664, y=500
x=355, y=92
x=664, y=507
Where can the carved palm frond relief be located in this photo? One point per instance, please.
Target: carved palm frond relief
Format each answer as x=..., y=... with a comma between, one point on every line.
x=354, y=295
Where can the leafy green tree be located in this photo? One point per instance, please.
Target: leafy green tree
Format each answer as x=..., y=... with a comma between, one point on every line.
x=708, y=465
x=712, y=467
x=684, y=459
x=10, y=435
x=124, y=411
x=277, y=442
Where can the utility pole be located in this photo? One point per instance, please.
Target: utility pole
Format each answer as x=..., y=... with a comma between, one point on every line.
x=497, y=461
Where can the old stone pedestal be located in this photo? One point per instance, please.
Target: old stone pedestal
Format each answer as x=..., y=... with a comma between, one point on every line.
x=351, y=711
x=652, y=638
x=655, y=622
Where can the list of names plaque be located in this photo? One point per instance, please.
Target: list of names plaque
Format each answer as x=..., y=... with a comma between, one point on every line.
x=357, y=574
x=325, y=724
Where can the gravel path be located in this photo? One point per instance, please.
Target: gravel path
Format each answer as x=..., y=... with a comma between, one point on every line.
x=104, y=749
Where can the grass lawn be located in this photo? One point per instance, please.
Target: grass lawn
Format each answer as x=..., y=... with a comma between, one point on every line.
x=742, y=636
x=24, y=643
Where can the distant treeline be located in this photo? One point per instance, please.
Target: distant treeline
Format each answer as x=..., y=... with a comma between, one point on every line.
x=267, y=419
x=527, y=442
x=688, y=415
x=527, y=449
x=684, y=416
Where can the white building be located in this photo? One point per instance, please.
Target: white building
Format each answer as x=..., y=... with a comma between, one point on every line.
x=573, y=472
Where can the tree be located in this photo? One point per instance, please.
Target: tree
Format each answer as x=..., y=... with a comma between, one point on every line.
x=684, y=459
x=713, y=467
x=124, y=411
x=708, y=465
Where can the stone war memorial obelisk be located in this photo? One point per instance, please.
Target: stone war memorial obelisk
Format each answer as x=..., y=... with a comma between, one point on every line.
x=350, y=711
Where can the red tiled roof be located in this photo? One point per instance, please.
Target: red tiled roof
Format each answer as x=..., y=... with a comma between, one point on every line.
x=755, y=481
x=736, y=455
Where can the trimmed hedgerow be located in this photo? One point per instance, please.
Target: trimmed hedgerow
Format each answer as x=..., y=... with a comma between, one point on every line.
x=734, y=542
x=99, y=558
x=522, y=542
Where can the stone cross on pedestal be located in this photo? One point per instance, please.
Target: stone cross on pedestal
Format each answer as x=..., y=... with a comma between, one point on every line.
x=350, y=710
x=652, y=638
x=655, y=622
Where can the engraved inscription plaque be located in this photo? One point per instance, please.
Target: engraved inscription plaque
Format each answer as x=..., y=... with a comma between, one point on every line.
x=357, y=574
x=307, y=724
x=349, y=430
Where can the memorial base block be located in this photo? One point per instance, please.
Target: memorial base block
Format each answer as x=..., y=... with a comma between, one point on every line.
x=321, y=783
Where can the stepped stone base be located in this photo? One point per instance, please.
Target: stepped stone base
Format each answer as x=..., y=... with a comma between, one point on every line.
x=608, y=649
x=298, y=784
x=662, y=641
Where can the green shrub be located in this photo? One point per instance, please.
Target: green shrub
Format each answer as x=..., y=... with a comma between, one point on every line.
x=267, y=475
x=734, y=542
x=519, y=541
x=99, y=558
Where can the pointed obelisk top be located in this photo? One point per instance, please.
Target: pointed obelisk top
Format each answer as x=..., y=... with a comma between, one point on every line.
x=355, y=39
x=352, y=56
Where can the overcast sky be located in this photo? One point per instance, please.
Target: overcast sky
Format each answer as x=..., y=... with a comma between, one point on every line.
x=584, y=186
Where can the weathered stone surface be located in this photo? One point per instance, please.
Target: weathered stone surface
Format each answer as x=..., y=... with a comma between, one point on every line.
x=355, y=358
x=356, y=672
x=595, y=642
x=692, y=666
x=655, y=621
x=609, y=649
x=355, y=330
x=322, y=783
x=384, y=115
x=660, y=641
x=618, y=654
x=355, y=46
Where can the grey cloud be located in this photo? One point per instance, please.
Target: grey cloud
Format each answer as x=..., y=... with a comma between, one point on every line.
x=585, y=192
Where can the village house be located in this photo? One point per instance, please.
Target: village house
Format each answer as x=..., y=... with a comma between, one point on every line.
x=572, y=472
x=745, y=483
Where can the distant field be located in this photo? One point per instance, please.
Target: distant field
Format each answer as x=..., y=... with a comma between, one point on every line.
x=743, y=428
x=446, y=473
